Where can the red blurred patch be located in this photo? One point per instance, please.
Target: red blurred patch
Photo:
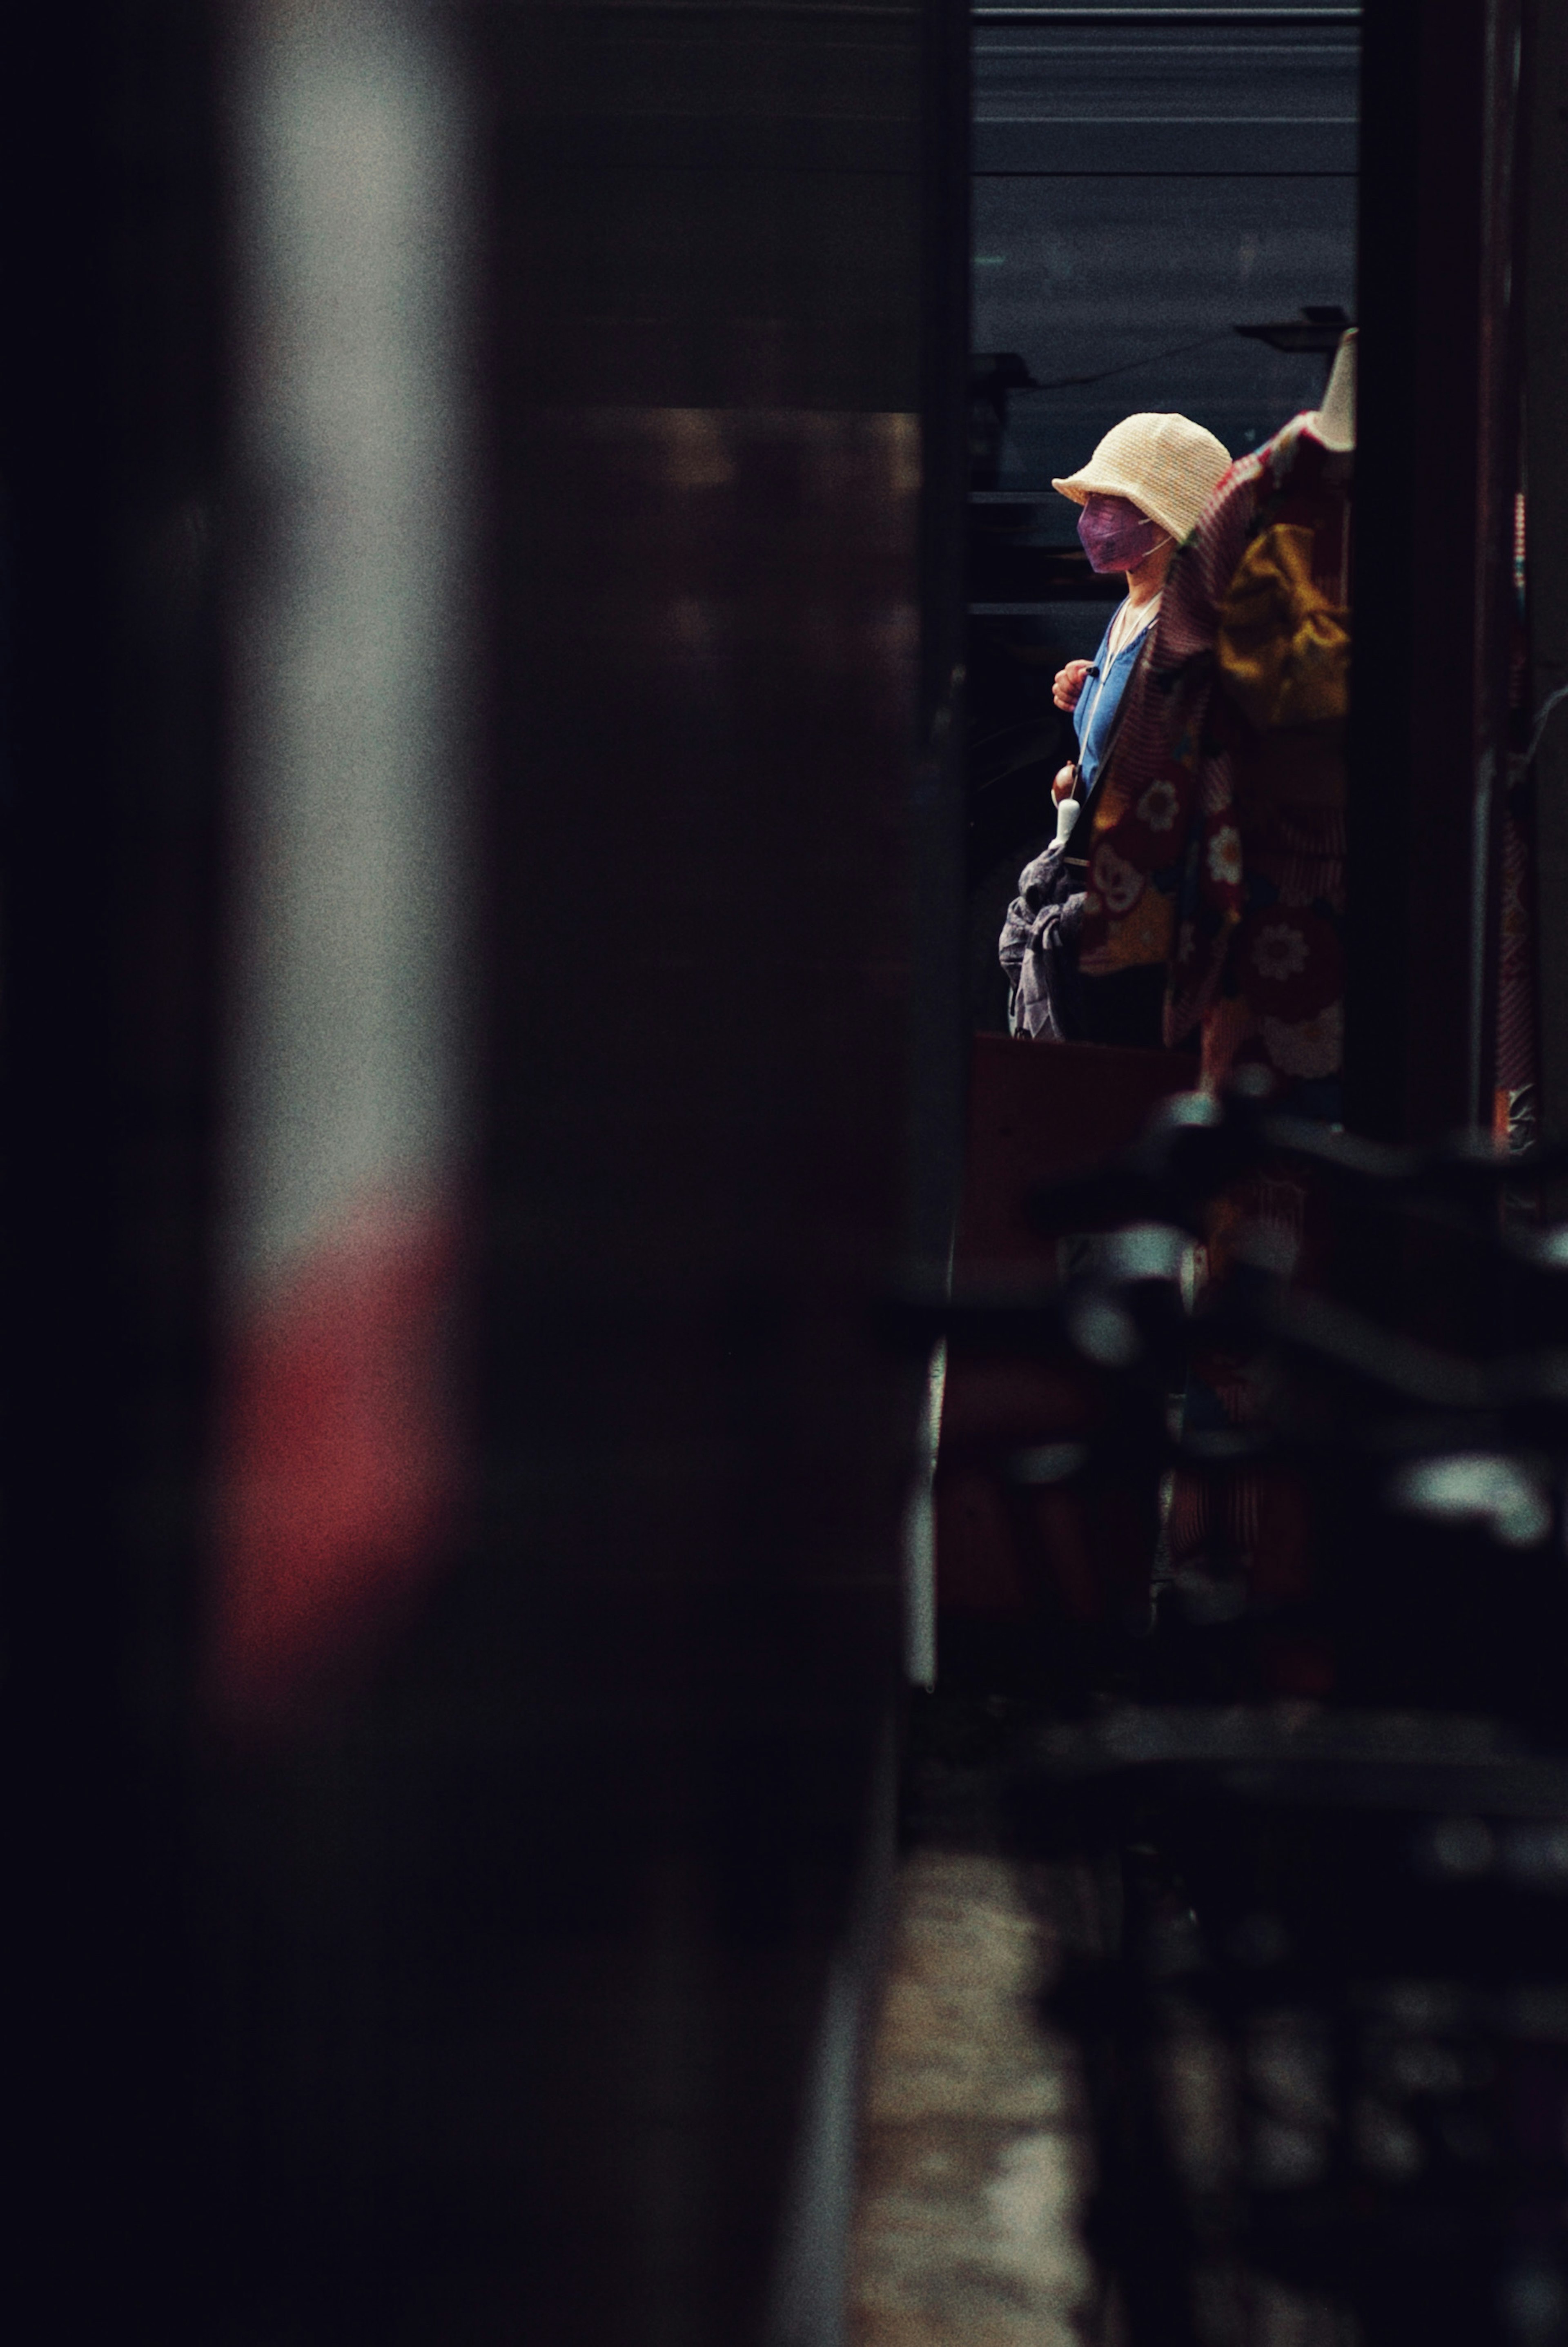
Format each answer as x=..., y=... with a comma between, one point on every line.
x=337, y=1464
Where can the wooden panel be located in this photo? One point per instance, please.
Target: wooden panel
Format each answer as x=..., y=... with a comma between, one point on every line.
x=1546, y=491
x=513, y=1996
x=1434, y=508
x=1038, y=1110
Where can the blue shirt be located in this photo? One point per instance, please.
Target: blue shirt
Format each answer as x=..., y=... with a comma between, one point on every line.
x=1100, y=701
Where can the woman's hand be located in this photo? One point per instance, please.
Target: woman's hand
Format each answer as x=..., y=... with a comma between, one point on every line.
x=1063, y=785
x=1068, y=683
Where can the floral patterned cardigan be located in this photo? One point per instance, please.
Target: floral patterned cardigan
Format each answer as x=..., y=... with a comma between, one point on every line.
x=1218, y=841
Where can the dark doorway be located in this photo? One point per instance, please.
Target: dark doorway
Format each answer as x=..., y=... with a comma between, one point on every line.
x=1164, y=217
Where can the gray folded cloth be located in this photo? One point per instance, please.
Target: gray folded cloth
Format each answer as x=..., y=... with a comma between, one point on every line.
x=1039, y=950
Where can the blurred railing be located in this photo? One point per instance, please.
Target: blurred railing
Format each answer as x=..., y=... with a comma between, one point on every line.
x=1327, y=2047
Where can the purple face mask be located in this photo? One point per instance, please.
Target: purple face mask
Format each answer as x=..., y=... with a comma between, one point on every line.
x=1115, y=535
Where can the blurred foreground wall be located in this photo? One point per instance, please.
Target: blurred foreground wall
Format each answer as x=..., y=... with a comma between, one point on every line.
x=476, y=851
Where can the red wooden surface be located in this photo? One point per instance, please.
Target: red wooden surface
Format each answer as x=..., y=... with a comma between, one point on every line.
x=1036, y=1109
x=1042, y=1109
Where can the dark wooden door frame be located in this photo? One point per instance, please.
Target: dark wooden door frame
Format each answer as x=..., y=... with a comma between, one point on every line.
x=1545, y=337
x=1436, y=472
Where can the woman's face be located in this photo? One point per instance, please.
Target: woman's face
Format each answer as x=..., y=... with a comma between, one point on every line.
x=1115, y=536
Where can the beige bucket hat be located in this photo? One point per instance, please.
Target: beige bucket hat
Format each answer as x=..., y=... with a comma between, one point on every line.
x=1166, y=464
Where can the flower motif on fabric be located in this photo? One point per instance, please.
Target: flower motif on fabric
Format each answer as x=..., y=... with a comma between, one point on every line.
x=1225, y=857
x=1278, y=951
x=1290, y=962
x=1160, y=805
x=1315, y=1047
x=1215, y=791
x=1145, y=936
x=1121, y=884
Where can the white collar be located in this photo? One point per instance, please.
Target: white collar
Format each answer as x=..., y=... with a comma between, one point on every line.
x=1145, y=620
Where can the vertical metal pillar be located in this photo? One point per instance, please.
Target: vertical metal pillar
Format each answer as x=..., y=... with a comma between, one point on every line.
x=1435, y=475
x=939, y=1041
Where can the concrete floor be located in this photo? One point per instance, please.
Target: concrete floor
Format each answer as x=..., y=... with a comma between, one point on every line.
x=973, y=2163
x=975, y=2160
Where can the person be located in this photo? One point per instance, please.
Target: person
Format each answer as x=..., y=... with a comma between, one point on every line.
x=1216, y=862
x=1141, y=493
x=1216, y=870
